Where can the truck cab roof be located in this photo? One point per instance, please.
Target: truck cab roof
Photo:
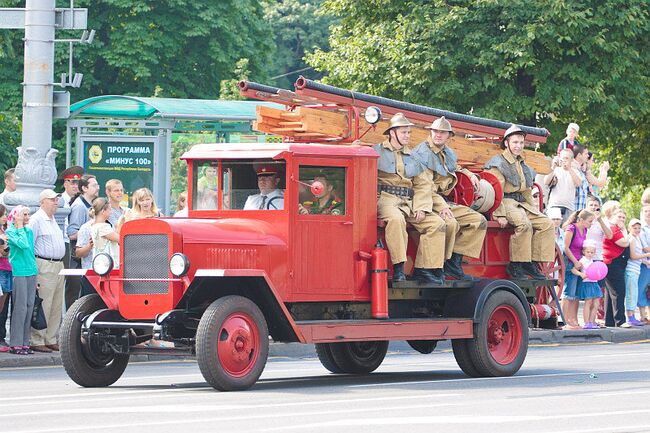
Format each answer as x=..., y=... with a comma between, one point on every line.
x=275, y=150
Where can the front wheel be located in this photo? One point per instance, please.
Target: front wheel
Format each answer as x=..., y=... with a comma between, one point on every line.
x=84, y=360
x=500, y=340
x=232, y=343
x=358, y=357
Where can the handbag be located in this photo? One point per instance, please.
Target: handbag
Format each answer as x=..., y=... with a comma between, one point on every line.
x=38, y=315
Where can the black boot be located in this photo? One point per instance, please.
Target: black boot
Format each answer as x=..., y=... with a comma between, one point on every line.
x=398, y=272
x=454, y=267
x=532, y=269
x=426, y=276
x=516, y=271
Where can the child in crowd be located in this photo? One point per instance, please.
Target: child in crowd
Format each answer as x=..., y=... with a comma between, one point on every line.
x=555, y=214
x=644, y=275
x=23, y=263
x=5, y=268
x=105, y=239
x=84, y=250
x=588, y=290
x=632, y=271
x=575, y=232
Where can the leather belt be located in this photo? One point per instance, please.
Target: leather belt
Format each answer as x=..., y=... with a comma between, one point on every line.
x=49, y=260
x=396, y=190
x=517, y=196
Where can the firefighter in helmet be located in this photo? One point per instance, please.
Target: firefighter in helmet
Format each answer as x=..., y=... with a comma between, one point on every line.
x=533, y=239
x=325, y=202
x=465, y=228
x=404, y=196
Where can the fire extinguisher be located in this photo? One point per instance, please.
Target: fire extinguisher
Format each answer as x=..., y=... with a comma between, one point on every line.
x=379, y=282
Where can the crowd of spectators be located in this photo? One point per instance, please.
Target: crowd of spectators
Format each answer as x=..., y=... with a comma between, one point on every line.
x=34, y=248
x=587, y=232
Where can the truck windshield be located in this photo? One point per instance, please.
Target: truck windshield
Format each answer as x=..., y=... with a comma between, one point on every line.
x=241, y=185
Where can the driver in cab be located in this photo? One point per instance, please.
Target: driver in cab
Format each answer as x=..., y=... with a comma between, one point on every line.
x=270, y=196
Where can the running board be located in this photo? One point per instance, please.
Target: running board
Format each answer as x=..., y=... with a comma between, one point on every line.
x=337, y=331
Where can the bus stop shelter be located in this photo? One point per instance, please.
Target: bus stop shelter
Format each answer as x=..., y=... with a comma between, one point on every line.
x=130, y=138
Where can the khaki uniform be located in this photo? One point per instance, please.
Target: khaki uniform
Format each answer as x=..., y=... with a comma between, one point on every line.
x=397, y=211
x=466, y=232
x=534, y=237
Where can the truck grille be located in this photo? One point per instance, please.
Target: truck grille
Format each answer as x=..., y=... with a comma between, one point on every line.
x=146, y=256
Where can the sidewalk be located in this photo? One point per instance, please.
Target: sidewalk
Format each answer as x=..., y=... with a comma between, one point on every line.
x=296, y=350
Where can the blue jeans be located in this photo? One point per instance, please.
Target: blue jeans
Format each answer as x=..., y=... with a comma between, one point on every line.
x=571, y=282
x=644, y=280
x=631, y=290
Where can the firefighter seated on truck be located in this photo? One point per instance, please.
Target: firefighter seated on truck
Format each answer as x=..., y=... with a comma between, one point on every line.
x=404, y=196
x=533, y=239
x=324, y=202
x=465, y=228
x=270, y=196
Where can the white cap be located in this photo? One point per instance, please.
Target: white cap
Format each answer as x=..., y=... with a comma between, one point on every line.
x=589, y=243
x=47, y=193
x=573, y=126
x=554, y=213
x=635, y=221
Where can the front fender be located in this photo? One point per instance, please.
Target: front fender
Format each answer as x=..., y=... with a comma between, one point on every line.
x=211, y=284
x=470, y=302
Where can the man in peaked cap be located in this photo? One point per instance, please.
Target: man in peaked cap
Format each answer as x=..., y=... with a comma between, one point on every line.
x=270, y=196
x=404, y=189
x=533, y=238
x=465, y=228
x=70, y=176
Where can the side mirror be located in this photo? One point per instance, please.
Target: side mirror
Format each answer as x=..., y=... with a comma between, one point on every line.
x=372, y=115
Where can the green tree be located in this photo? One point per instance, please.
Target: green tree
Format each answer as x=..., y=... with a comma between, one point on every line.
x=539, y=62
x=298, y=28
x=166, y=48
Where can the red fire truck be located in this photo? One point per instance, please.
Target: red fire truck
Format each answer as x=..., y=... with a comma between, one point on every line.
x=223, y=281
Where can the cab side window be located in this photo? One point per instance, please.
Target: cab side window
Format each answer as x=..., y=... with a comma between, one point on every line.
x=206, y=185
x=321, y=190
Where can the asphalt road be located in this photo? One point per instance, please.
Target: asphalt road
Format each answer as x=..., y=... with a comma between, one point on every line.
x=581, y=388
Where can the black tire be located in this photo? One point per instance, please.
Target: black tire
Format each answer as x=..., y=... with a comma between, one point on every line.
x=236, y=323
x=423, y=346
x=83, y=362
x=359, y=357
x=325, y=357
x=509, y=354
x=461, y=353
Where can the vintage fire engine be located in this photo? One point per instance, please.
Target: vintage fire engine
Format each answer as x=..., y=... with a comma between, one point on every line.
x=223, y=281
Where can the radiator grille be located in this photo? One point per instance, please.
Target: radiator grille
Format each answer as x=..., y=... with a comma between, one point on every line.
x=146, y=256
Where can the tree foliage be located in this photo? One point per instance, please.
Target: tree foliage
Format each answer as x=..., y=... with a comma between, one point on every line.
x=297, y=29
x=539, y=62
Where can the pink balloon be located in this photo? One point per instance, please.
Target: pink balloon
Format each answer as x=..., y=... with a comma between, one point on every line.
x=596, y=271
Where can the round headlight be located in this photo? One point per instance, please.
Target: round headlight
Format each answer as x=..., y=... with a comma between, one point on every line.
x=179, y=264
x=102, y=264
x=372, y=114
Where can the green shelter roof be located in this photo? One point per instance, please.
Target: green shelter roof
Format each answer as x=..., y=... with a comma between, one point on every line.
x=135, y=107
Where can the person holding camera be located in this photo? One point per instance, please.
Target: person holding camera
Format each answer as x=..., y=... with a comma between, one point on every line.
x=563, y=181
x=20, y=239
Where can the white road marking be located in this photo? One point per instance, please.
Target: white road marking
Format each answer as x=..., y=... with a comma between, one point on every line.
x=474, y=379
x=449, y=419
x=199, y=408
x=237, y=417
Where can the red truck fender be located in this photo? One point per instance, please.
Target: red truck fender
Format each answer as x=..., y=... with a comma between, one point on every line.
x=210, y=284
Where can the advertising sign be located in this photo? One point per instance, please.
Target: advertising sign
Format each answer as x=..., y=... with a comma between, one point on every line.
x=130, y=162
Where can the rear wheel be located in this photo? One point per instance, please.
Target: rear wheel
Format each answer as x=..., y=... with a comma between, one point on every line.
x=325, y=357
x=359, y=357
x=500, y=340
x=232, y=343
x=464, y=360
x=83, y=359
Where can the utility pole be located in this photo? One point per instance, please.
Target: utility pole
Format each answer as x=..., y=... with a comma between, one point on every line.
x=36, y=169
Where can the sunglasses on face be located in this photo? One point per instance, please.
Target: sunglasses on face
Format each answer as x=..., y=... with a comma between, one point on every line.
x=72, y=181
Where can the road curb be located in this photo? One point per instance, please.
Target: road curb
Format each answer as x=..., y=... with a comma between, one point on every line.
x=297, y=350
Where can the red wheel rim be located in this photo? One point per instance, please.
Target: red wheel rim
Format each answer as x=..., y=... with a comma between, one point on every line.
x=550, y=269
x=504, y=334
x=238, y=345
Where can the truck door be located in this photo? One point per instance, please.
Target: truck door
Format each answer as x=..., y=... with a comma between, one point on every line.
x=323, y=257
